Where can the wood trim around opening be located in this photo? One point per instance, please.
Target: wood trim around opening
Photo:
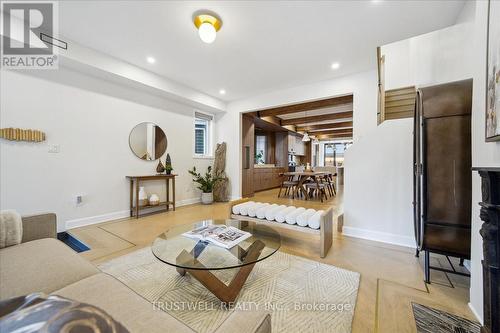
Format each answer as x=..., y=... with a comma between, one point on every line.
x=307, y=106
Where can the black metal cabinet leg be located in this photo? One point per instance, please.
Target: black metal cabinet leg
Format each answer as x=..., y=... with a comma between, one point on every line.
x=427, y=269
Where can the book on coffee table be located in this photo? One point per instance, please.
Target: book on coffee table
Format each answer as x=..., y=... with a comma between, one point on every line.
x=219, y=234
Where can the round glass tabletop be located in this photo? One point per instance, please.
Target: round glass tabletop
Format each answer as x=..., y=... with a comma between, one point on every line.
x=176, y=249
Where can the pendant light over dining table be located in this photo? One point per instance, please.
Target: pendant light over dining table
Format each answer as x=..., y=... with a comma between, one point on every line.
x=306, y=137
x=207, y=24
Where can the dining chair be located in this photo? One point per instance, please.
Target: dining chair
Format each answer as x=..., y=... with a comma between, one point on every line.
x=330, y=178
x=319, y=187
x=330, y=181
x=289, y=183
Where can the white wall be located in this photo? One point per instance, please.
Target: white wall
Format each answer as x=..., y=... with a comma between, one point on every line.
x=467, y=13
x=436, y=57
x=483, y=154
x=378, y=185
x=228, y=127
x=91, y=124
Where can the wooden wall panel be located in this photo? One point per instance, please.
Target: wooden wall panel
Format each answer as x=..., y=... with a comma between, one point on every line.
x=248, y=154
x=282, y=149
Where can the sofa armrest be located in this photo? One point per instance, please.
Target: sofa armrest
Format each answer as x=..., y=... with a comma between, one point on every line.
x=246, y=322
x=39, y=226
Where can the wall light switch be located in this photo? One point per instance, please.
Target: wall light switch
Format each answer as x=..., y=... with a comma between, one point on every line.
x=54, y=148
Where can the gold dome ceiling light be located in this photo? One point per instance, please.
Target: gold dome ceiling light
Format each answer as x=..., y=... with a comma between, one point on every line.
x=207, y=25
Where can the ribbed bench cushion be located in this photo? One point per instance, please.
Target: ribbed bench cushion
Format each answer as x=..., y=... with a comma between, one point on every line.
x=280, y=213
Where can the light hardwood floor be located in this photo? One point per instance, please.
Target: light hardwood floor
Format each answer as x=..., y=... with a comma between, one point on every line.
x=391, y=276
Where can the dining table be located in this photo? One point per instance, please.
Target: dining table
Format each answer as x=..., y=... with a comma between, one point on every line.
x=303, y=176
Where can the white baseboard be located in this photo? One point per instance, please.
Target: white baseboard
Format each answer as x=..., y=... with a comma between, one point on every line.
x=475, y=313
x=378, y=236
x=85, y=221
x=186, y=202
x=82, y=222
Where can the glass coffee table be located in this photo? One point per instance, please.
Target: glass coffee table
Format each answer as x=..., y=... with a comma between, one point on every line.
x=198, y=257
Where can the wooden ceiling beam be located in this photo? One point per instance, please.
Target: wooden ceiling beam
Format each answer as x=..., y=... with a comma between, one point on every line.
x=307, y=106
x=267, y=126
x=272, y=119
x=313, y=119
x=334, y=132
x=325, y=126
x=336, y=136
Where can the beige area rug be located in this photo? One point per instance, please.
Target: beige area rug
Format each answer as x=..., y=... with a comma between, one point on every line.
x=301, y=295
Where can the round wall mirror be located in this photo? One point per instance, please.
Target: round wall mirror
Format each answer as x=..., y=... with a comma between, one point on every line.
x=147, y=141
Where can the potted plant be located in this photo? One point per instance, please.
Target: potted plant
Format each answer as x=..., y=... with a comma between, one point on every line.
x=168, y=165
x=205, y=184
x=258, y=158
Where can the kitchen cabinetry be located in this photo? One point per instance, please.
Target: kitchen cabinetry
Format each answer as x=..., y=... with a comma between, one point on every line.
x=299, y=145
x=295, y=145
x=266, y=178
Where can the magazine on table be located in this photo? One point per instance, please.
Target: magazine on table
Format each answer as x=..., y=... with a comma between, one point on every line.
x=219, y=234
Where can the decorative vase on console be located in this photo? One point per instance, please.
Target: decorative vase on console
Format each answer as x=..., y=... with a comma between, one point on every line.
x=154, y=200
x=160, y=168
x=143, y=197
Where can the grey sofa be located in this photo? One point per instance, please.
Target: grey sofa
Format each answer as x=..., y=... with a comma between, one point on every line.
x=41, y=263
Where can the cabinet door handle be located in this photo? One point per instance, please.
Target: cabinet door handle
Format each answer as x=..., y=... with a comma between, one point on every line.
x=246, y=158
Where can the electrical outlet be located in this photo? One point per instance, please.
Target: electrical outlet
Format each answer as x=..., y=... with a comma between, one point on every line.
x=79, y=199
x=54, y=149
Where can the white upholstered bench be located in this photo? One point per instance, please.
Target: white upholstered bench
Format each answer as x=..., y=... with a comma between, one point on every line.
x=322, y=228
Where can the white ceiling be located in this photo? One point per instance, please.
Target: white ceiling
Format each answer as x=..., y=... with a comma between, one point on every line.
x=262, y=46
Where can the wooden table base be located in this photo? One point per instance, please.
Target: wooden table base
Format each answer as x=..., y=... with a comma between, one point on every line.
x=226, y=293
x=135, y=208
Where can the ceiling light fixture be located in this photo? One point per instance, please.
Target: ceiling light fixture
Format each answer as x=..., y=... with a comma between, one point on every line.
x=335, y=65
x=207, y=25
x=222, y=92
x=151, y=60
x=306, y=137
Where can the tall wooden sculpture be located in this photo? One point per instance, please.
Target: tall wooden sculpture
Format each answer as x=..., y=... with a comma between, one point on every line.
x=221, y=186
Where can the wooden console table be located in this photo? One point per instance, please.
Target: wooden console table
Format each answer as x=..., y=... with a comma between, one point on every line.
x=169, y=179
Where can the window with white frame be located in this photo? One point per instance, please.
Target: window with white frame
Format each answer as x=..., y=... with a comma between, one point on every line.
x=202, y=134
x=260, y=149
